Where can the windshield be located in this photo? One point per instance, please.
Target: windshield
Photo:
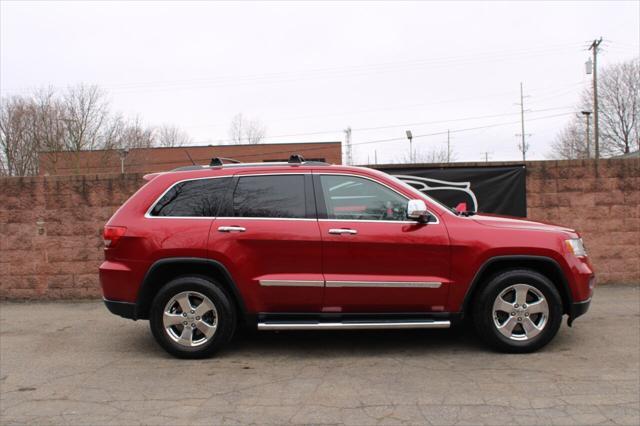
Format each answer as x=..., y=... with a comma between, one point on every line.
x=422, y=194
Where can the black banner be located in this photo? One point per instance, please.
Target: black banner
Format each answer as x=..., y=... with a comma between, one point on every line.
x=499, y=190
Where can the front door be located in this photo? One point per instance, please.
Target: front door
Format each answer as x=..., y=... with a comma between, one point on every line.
x=269, y=239
x=374, y=259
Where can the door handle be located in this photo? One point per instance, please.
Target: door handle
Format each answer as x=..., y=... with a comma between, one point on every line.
x=340, y=231
x=231, y=229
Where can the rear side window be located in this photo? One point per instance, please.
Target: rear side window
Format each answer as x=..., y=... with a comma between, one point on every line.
x=192, y=198
x=277, y=196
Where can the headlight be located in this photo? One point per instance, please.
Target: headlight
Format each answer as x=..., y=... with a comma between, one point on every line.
x=576, y=247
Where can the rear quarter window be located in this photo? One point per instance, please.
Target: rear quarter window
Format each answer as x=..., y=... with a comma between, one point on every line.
x=192, y=198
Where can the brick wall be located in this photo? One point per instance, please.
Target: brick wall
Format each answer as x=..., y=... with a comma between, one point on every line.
x=602, y=204
x=51, y=241
x=147, y=160
x=51, y=233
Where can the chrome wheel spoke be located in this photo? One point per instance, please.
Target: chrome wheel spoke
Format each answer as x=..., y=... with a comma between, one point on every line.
x=538, y=307
x=184, y=302
x=206, y=329
x=502, y=305
x=205, y=306
x=169, y=319
x=530, y=329
x=521, y=293
x=507, y=327
x=186, y=337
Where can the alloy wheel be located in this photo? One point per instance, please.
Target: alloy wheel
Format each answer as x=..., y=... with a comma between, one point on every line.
x=190, y=319
x=520, y=312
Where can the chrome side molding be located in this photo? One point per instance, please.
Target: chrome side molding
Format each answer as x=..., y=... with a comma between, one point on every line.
x=376, y=284
x=385, y=284
x=353, y=325
x=291, y=283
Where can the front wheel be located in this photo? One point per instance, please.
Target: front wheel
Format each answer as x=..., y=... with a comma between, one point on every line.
x=518, y=311
x=191, y=317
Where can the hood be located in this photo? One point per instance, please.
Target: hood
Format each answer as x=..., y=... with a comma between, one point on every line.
x=517, y=223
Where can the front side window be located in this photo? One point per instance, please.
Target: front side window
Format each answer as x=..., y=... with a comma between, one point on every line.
x=355, y=198
x=277, y=196
x=192, y=198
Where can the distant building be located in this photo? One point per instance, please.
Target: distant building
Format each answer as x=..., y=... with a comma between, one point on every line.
x=145, y=160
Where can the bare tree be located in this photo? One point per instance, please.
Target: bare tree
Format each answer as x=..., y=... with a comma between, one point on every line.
x=571, y=141
x=434, y=155
x=619, y=107
x=45, y=124
x=18, y=154
x=86, y=111
x=171, y=136
x=246, y=131
x=135, y=135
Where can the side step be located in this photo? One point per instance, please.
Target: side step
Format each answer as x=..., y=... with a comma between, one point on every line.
x=351, y=325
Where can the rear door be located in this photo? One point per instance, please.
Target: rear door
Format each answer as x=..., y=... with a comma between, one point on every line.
x=268, y=237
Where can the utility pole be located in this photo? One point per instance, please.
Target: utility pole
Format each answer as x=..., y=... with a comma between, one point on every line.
x=486, y=156
x=596, y=126
x=523, y=146
x=347, y=142
x=587, y=114
x=448, y=146
x=375, y=155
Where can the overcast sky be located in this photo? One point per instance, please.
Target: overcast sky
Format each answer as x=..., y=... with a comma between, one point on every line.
x=312, y=69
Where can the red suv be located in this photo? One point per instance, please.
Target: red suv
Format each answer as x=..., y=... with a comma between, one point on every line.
x=311, y=246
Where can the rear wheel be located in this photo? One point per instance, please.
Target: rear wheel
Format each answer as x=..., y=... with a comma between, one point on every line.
x=191, y=317
x=518, y=311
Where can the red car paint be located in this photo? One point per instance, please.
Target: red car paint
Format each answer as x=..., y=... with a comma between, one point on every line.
x=451, y=251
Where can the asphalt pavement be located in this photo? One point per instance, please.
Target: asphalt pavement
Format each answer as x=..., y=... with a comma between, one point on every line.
x=75, y=363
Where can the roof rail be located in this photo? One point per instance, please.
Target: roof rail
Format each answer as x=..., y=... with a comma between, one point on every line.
x=219, y=161
x=296, y=159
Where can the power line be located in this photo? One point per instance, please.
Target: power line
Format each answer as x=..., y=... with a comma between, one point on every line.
x=410, y=106
x=354, y=70
x=287, y=152
x=392, y=126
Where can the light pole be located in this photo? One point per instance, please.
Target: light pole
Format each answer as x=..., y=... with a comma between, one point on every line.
x=410, y=137
x=123, y=154
x=587, y=114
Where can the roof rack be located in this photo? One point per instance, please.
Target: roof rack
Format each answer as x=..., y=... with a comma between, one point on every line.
x=219, y=161
x=294, y=160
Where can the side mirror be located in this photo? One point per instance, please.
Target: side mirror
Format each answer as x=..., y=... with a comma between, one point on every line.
x=417, y=210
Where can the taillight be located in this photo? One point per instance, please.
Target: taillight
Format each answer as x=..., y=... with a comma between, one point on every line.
x=112, y=234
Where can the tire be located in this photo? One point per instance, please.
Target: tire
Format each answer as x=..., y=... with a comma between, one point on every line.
x=203, y=305
x=513, y=327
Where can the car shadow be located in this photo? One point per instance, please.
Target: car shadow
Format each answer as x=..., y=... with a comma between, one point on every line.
x=352, y=343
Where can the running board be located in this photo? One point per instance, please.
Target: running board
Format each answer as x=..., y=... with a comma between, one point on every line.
x=352, y=325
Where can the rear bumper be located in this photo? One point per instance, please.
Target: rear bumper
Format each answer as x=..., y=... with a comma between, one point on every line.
x=123, y=309
x=577, y=309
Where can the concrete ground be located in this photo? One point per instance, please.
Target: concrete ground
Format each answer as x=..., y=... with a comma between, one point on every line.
x=74, y=363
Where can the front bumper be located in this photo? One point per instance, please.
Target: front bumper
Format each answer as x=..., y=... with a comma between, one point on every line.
x=123, y=309
x=578, y=308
